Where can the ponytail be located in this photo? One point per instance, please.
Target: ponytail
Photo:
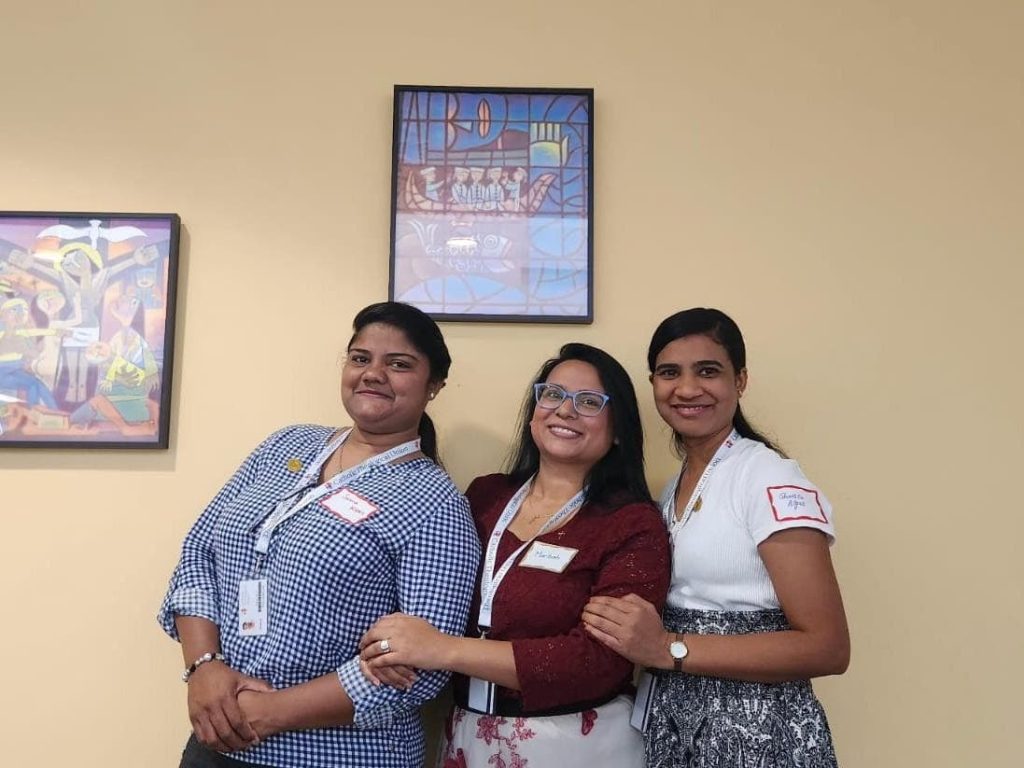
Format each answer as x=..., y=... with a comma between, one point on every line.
x=428, y=438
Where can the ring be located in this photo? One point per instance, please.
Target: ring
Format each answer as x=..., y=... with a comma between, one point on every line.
x=385, y=646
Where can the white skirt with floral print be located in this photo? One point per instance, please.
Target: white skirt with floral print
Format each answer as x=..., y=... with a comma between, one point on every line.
x=596, y=737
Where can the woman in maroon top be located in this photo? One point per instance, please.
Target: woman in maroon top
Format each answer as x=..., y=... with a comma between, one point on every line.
x=572, y=519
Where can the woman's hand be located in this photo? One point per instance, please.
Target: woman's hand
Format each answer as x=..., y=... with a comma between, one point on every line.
x=213, y=709
x=631, y=627
x=398, y=641
x=257, y=709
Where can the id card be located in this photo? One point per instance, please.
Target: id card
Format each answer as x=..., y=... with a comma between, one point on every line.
x=252, y=607
x=645, y=687
x=482, y=696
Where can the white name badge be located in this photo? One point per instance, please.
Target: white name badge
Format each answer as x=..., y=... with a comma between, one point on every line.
x=482, y=695
x=548, y=557
x=791, y=502
x=349, y=506
x=644, y=700
x=253, y=596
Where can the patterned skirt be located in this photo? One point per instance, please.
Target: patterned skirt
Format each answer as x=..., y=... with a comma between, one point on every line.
x=710, y=722
x=597, y=737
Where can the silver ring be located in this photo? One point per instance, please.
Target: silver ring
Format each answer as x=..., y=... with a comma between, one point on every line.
x=385, y=646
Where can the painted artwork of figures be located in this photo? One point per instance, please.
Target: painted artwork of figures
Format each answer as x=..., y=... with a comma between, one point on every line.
x=86, y=328
x=493, y=203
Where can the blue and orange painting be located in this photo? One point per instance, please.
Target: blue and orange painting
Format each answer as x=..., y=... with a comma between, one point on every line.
x=86, y=314
x=493, y=203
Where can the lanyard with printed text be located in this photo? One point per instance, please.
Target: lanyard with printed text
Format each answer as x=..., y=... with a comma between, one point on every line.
x=695, y=497
x=288, y=507
x=489, y=580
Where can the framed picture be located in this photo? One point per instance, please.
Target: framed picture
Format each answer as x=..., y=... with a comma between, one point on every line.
x=492, y=203
x=86, y=328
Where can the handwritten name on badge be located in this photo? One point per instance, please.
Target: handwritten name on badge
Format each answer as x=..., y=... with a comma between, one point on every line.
x=791, y=502
x=349, y=506
x=548, y=557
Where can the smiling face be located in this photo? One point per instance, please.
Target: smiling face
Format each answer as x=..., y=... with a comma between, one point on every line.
x=562, y=435
x=385, y=382
x=696, y=388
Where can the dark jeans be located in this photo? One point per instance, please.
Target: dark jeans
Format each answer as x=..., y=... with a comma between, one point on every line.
x=198, y=756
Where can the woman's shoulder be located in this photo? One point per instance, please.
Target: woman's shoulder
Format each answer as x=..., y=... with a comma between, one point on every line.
x=631, y=513
x=757, y=461
x=754, y=456
x=489, y=491
x=424, y=472
x=487, y=484
x=295, y=439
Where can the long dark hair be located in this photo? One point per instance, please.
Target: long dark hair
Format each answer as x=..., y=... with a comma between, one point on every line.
x=720, y=328
x=423, y=333
x=618, y=477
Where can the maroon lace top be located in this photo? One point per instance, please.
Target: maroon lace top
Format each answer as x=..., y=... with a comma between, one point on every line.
x=621, y=550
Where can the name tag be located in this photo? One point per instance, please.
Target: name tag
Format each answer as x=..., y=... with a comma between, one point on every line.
x=253, y=597
x=548, y=557
x=791, y=502
x=349, y=506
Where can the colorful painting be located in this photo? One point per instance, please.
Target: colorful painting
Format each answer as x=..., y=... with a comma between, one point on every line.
x=492, y=203
x=86, y=329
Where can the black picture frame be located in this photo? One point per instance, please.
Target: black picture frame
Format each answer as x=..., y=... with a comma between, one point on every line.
x=516, y=249
x=87, y=318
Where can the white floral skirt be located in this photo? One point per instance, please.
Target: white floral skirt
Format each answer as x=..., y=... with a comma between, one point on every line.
x=596, y=737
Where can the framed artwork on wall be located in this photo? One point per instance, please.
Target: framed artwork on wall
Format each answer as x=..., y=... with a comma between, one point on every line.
x=492, y=203
x=86, y=328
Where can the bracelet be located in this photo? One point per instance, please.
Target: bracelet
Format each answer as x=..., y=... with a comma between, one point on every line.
x=208, y=656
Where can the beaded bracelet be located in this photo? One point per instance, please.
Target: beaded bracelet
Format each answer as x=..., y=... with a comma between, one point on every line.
x=208, y=656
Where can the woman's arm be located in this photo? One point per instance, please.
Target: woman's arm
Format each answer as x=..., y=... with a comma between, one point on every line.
x=548, y=671
x=319, y=703
x=190, y=612
x=416, y=643
x=213, y=689
x=798, y=562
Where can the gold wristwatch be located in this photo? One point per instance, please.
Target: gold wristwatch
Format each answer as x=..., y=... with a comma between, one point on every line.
x=678, y=650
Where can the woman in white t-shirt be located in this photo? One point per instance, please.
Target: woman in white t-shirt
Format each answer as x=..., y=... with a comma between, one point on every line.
x=754, y=608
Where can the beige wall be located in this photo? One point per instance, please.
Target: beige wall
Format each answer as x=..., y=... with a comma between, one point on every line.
x=844, y=178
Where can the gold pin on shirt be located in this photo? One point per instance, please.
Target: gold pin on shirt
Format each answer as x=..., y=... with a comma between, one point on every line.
x=698, y=504
x=294, y=465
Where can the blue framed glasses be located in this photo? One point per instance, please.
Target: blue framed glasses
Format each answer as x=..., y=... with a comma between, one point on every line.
x=586, y=402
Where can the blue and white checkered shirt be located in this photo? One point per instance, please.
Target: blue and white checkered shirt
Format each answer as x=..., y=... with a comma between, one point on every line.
x=329, y=580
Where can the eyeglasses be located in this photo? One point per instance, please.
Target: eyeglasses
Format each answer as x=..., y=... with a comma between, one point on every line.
x=586, y=402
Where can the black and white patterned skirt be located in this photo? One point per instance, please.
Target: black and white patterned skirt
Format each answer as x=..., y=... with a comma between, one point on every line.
x=710, y=722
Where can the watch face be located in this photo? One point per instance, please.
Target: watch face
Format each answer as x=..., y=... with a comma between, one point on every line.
x=678, y=650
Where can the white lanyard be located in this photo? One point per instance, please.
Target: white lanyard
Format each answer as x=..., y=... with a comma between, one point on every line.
x=670, y=507
x=489, y=580
x=287, y=507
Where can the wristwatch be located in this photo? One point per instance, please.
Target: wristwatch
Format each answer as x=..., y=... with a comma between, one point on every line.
x=678, y=650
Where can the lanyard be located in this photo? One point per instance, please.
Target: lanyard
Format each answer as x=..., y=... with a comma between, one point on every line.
x=288, y=507
x=670, y=507
x=489, y=580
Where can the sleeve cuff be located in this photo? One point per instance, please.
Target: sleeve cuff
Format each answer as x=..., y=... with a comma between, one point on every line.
x=187, y=601
x=360, y=691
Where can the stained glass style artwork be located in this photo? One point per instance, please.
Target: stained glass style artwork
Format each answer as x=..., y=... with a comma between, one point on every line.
x=492, y=204
x=86, y=329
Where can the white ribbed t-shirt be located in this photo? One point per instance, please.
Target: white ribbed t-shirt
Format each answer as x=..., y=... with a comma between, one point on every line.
x=751, y=494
